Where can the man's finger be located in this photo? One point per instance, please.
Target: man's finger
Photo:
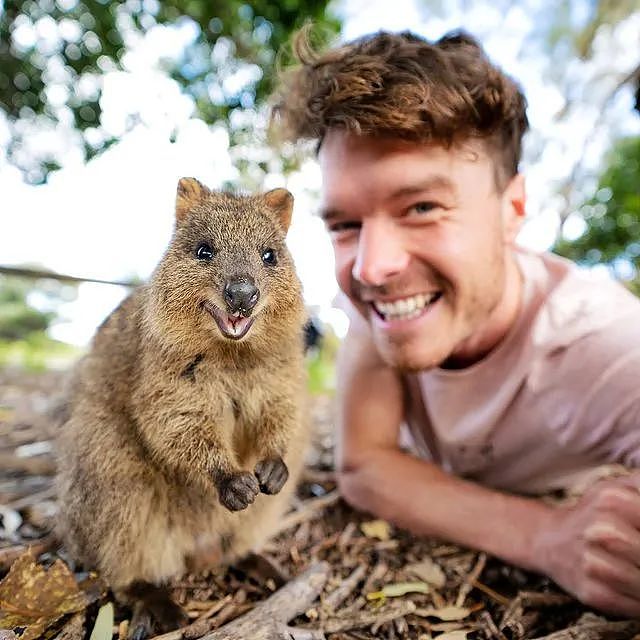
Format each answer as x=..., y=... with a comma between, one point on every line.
x=619, y=575
x=616, y=499
x=601, y=596
x=616, y=536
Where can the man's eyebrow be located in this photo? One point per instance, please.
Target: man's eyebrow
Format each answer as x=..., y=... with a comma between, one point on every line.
x=328, y=213
x=433, y=183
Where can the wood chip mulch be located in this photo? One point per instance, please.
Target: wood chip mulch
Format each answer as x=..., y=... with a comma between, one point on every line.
x=332, y=573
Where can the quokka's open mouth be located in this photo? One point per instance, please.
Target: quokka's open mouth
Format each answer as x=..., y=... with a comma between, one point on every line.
x=233, y=326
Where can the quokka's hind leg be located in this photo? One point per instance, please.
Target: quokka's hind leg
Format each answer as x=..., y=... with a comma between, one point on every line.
x=153, y=610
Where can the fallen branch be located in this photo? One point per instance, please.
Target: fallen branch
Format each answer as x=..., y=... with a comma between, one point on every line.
x=191, y=630
x=297, y=633
x=604, y=630
x=268, y=619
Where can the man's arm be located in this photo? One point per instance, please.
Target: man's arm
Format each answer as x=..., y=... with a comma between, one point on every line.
x=592, y=549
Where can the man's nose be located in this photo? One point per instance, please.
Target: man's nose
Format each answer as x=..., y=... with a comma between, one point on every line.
x=381, y=253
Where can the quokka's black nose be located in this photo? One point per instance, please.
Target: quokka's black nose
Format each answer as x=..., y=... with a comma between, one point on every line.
x=241, y=296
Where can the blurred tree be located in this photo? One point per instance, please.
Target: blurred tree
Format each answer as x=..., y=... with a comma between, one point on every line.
x=27, y=311
x=19, y=318
x=612, y=218
x=587, y=58
x=55, y=53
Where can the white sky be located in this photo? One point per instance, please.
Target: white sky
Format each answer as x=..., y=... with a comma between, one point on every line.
x=112, y=218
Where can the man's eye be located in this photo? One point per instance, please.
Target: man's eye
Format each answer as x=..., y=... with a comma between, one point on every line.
x=423, y=207
x=337, y=227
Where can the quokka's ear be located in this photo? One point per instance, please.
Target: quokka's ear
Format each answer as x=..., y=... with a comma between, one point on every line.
x=280, y=201
x=189, y=193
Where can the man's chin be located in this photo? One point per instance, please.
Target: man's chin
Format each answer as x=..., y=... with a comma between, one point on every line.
x=408, y=359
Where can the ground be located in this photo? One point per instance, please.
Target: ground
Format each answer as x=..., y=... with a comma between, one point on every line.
x=364, y=578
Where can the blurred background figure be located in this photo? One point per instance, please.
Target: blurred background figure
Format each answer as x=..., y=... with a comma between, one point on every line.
x=103, y=106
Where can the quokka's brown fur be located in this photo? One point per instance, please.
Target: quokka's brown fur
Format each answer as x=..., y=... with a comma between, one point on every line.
x=167, y=418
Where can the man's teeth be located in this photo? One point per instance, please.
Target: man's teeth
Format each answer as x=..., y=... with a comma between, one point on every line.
x=405, y=308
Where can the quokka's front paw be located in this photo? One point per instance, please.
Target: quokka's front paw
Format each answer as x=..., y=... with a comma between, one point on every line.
x=238, y=490
x=272, y=473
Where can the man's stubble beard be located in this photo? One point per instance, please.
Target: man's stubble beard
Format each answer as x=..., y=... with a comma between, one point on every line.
x=482, y=302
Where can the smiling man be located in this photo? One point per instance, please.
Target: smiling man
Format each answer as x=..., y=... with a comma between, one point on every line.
x=514, y=372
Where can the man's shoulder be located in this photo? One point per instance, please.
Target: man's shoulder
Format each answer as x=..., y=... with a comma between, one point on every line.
x=578, y=305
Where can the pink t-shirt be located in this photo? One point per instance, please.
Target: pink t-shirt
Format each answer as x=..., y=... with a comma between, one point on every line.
x=557, y=397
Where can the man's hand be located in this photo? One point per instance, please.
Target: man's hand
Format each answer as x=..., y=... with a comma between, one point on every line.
x=592, y=549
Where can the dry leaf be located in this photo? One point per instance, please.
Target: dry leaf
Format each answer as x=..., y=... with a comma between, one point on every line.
x=376, y=529
x=33, y=598
x=429, y=571
x=399, y=589
x=447, y=614
x=103, y=628
x=454, y=635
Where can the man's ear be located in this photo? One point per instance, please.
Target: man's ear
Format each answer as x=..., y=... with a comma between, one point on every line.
x=189, y=193
x=280, y=201
x=513, y=208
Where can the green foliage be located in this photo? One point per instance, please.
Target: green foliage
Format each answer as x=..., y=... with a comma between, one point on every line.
x=612, y=217
x=23, y=338
x=53, y=54
x=18, y=319
x=321, y=364
x=37, y=352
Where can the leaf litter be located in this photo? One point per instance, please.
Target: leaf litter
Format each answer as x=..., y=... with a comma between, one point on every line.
x=379, y=581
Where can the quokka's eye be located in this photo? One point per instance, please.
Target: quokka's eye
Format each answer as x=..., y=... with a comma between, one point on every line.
x=269, y=257
x=204, y=251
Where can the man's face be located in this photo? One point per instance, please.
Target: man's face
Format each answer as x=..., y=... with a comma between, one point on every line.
x=421, y=236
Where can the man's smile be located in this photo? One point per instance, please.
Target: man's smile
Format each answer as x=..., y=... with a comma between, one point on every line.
x=405, y=308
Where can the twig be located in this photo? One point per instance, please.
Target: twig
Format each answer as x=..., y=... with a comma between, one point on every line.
x=536, y=600
x=33, y=465
x=339, y=595
x=318, y=476
x=377, y=574
x=40, y=273
x=494, y=595
x=346, y=535
x=467, y=585
x=73, y=628
x=604, y=630
x=34, y=498
x=494, y=632
x=309, y=510
x=8, y=555
x=367, y=618
x=520, y=626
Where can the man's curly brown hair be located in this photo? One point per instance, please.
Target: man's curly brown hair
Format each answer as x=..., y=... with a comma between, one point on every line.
x=402, y=85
